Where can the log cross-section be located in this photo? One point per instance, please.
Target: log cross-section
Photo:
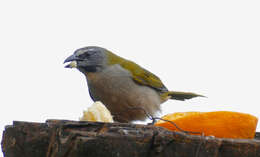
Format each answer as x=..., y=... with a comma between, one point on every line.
x=61, y=138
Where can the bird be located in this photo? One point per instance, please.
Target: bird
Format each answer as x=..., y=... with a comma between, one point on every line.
x=129, y=91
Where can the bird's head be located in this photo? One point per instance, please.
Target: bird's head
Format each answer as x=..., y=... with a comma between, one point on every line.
x=88, y=59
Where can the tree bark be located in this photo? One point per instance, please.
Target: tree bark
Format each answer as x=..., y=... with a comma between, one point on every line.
x=61, y=138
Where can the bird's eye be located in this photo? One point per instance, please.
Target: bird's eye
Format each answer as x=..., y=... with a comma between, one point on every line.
x=84, y=55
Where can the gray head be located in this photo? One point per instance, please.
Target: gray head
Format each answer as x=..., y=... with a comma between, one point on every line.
x=87, y=59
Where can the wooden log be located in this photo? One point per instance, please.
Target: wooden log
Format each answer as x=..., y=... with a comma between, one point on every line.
x=61, y=138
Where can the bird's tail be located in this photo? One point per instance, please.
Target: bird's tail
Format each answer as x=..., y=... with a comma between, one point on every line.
x=182, y=95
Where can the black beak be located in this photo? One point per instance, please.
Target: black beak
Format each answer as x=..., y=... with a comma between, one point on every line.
x=67, y=66
x=71, y=58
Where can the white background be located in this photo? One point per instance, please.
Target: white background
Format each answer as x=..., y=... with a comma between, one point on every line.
x=208, y=47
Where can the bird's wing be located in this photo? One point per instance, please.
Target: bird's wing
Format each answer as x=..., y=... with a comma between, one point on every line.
x=143, y=76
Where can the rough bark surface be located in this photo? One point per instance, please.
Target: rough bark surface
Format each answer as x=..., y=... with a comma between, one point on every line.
x=61, y=138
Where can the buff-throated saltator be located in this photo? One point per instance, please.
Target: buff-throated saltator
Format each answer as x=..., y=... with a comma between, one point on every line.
x=122, y=85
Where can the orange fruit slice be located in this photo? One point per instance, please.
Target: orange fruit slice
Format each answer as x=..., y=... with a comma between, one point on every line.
x=222, y=124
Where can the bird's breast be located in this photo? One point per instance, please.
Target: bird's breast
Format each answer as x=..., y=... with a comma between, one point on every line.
x=115, y=87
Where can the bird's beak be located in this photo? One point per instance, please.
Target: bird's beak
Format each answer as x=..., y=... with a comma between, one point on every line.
x=73, y=61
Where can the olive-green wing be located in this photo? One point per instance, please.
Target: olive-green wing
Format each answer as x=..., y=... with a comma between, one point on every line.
x=143, y=76
x=139, y=74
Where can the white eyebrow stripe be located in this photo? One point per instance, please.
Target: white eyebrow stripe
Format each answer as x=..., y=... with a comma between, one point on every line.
x=91, y=49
